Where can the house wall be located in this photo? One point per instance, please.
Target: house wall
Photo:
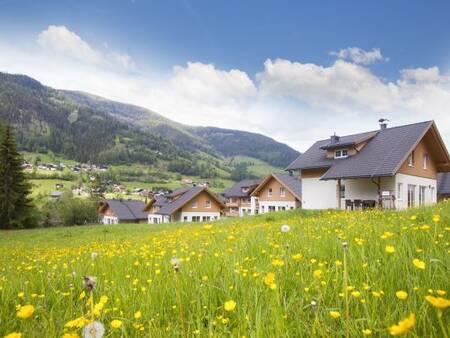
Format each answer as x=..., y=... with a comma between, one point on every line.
x=156, y=219
x=317, y=194
x=110, y=219
x=402, y=197
x=187, y=216
x=264, y=206
x=201, y=204
x=417, y=169
x=365, y=189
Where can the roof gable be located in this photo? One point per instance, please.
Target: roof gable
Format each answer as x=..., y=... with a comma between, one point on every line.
x=291, y=183
x=127, y=210
x=236, y=190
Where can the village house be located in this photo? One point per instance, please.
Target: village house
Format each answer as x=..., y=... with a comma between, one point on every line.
x=391, y=167
x=443, y=186
x=114, y=211
x=238, y=199
x=194, y=204
x=276, y=192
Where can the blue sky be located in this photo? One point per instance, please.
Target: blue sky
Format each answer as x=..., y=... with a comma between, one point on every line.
x=254, y=65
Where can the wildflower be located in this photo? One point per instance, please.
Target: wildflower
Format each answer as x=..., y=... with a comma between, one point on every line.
x=401, y=295
x=94, y=255
x=367, y=332
x=356, y=294
x=313, y=305
x=318, y=274
x=345, y=245
x=230, y=305
x=419, y=264
x=14, y=335
x=89, y=282
x=413, y=217
x=77, y=323
x=334, y=314
x=175, y=262
x=71, y=335
x=338, y=263
x=207, y=226
x=441, y=292
x=137, y=315
x=269, y=280
x=403, y=326
x=390, y=249
x=116, y=324
x=439, y=302
x=436, y=218
x=25, y=311
x=94, y=330
x=285, y=228
x=82, y=295
x=277, y=262
x=21, y=295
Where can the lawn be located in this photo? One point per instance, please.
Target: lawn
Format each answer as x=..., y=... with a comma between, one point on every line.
x=326, y=274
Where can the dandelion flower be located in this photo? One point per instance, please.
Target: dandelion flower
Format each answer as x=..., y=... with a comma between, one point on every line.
x=116, y=324
x=436, y=218
x=367, y=332
x=71, y=335
x=403, y=326
x=418, y=263
x=277, y=262
x=94, y=255
x=269, y=280
x=334, y=314
x=439, y=302
x=356, y=294
x=25, y=311
x=285, y=228
x=230, y=305
x=175, y=262
x=318, y=274
x=137, y=315
x=94, y=330
x=401, y=295
x=390, y=249
x=14, y=335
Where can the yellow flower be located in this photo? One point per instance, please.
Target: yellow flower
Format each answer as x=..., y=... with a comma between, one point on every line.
x=25, y=311
x=334, y=314
x=413, y=218
x=277, y=262
x=367, y=332
x=77, y=323
x=436, y=218
x=71, y=335
x=401, y=295
x=207, y=226
x=116, y=324
x=439, y=302
x=441, y=292
x=419, y=264
x=297, y=257
x=269, y=280
x=230, y=305
x=137, y=315
x=403, y=326
x=390, y=249
x=356, y=294
x=318, y=274
x=21, y=295
x=14, y=335
x=82, y=295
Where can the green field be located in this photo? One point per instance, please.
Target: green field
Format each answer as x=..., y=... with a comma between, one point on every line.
x=236, y=277
x=256, y=167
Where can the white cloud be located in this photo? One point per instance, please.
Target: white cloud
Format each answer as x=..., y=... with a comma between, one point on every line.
x=61, y=40
x=293, y=102
x=360, y=56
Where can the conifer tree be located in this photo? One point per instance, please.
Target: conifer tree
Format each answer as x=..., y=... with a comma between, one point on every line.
x=16, y=208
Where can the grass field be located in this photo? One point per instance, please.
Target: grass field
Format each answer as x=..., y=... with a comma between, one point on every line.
x=256, y=167
x=328, y=274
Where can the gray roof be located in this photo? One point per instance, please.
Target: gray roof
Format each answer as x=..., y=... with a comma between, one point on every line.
x=236, y=190
x=443, y=184
x=171, y=207
x=293, y=183
x=382, y=155
x=127, y=210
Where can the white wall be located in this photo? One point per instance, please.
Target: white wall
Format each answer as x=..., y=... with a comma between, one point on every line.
x=110, y=220
x=430, y=198
x=213, y=215
x=365, y=189
x=279, y=205
x=317, y=194
x=156, y=218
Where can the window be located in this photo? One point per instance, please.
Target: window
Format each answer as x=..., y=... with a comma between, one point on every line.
x=194, y=203
x=342, y=191
x=282, y=208
x=195, y=218
x=185, y=219
x=282, y=192
x=411, y=195
x=422, y=190
x=208, y=204
x=206, y=218
x=269, y=193
x=399, y=191
x=425, y=161
x=341, y=153
x=433, y=192
x=411, y=159
x=271, y=208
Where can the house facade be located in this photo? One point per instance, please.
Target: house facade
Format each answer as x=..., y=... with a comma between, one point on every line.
x=276, y=192
x=115, y=211
x=391, y=167
x=238, y=198
x=443, y=186
x=195, y=204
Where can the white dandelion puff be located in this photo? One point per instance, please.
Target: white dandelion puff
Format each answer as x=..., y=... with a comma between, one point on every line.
x=175, y=262
x=94, y=330
x=285, y=228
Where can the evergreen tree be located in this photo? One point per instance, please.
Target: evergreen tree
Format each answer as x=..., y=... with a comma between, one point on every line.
x=16, y=209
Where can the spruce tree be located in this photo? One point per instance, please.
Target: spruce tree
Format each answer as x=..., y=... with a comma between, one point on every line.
x=16, y=208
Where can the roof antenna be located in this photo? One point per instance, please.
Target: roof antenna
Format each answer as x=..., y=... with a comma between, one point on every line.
x=383, y=123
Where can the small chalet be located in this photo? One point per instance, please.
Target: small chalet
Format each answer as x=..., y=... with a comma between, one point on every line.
x=390, y=167
x=443, y=186
x=238, y=199
x=277, y=192
x=114, y=211
x=194, y=204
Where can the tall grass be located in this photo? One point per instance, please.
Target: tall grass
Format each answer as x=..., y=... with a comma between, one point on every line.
x=229, y=260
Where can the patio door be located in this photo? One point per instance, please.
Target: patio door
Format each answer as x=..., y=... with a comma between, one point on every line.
x=422, y=191
x=411, y=195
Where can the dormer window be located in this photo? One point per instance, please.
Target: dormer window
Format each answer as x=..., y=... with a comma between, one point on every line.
x=245, y=189
x=341, y=153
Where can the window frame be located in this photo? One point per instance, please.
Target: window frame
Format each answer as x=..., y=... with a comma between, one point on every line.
x=425, y=162
x=208, y=204
x=194, y=204
x=411, y=159
x=400, y=191
x=282, y=192
x=269, y=192
x=339, y=153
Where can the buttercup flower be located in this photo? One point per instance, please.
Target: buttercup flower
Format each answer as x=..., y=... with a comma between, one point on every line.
x=269, y=280
x=25, y=311
x=401, y=295
x=334, y=314
x=439, y=302
x=13, y=335
x=390, y=249
x=367, y=332
x=419, y=264
x=230, y=305
x=116, y=324
x=403, y=326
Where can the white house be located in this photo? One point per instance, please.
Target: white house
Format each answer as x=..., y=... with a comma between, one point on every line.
x=393, y=167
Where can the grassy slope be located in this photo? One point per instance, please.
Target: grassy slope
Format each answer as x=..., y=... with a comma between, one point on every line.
x=256, y=167
x=229, y=262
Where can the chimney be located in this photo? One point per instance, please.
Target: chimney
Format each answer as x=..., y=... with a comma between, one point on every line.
x=334, y=139
x=383, y=123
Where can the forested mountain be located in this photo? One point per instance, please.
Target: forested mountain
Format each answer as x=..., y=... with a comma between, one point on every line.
x=86, y=128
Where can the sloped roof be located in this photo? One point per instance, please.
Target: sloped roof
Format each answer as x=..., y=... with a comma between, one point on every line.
x=127, y=210
x=188, y=195
x=382, y=156
x=236, y=190
x=290, y=182
x=349, y=140
x=443, y=184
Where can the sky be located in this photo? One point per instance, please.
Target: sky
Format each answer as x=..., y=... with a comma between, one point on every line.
x=296, y=71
